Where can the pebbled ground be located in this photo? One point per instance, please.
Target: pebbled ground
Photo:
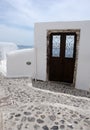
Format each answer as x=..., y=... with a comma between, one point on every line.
x=23, y=106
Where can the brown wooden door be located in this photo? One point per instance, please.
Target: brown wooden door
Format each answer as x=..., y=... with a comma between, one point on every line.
x=62, y=47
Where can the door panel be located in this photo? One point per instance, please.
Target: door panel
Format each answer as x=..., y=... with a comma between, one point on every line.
x=62, y=56
x=68, y=70
x=55, y=70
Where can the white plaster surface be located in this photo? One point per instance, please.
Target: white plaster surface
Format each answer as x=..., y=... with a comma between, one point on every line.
x=17, y=63
x=6, y=47
x=3, y=67
x=83, y=68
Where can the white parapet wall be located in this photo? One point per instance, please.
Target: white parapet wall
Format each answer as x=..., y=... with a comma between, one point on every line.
x=21, y=63
x=83, y=63
x=6, y=47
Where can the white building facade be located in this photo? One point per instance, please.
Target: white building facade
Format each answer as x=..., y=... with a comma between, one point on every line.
x=73, y=68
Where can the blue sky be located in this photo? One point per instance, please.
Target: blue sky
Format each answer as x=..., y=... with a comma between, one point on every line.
x=17, y=17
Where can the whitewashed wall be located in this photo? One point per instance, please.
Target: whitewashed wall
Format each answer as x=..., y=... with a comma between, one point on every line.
x=17, y=63
x=83, y=69
x=6, y=47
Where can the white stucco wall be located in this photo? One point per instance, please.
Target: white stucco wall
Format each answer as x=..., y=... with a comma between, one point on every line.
x=16, y=63
x=6, y=47
x=83, y=69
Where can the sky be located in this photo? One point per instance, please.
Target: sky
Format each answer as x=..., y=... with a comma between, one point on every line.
x=17, y=17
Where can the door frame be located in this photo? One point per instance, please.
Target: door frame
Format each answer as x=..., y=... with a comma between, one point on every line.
x=77, y=31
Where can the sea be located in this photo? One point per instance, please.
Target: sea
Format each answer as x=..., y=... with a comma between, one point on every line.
x=24, y=46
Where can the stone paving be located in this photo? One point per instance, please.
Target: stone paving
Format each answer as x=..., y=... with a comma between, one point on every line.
x=25, y=107
x=46, y=117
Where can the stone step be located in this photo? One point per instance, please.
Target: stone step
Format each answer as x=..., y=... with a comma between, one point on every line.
x=21, y=95
x=60, y=98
